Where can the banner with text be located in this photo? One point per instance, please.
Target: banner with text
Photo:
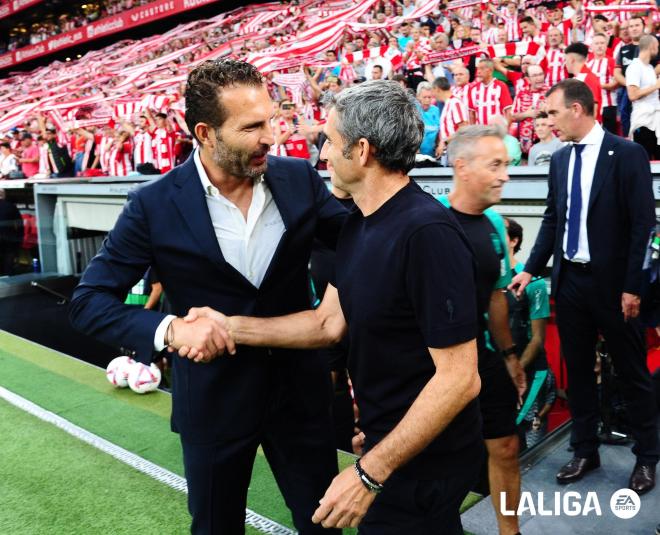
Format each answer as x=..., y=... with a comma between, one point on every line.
x=108, y=25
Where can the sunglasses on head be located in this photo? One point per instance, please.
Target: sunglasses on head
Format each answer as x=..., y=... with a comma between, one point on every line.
x=287, y=106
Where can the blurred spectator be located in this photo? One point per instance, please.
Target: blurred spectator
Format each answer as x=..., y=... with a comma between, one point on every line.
x=431, y=117
x=120, y=155
x=8, y=162
x=627, y=53
x=488, y=96
x=527, y=104
x=602, y=66
x=643, y=85
x=290, y=133
x=29, y=159
x=541, y=152
x=454, y=113
x=576, y=64
x=511, y=143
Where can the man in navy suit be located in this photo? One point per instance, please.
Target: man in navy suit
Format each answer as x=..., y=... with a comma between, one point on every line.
x=599, y=215
x=231, y=228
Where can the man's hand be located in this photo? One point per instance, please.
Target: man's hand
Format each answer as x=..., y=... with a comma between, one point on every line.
x=629, y=306
x=519, y=282
x=357, y=442
x=345, y=502
x=201, y=338
x=517, y=374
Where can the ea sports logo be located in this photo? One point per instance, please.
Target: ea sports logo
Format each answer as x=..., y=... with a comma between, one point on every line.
x=625, y=503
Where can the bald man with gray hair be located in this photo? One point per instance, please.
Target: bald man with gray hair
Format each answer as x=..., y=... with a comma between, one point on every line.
x=480, y=158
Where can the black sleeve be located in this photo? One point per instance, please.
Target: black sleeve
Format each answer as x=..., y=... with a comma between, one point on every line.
x=440, y=279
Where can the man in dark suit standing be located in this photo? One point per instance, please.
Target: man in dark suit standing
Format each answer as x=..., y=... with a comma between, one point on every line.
x=599, y=215
x=231, y=228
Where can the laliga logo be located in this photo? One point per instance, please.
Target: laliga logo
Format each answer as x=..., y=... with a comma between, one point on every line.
x=625, y=503
x=570, y=504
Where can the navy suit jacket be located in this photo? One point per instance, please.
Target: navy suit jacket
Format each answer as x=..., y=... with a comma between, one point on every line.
x=620, y=217
x=166, y=224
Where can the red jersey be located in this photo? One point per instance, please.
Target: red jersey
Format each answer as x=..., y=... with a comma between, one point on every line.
x=604, y=69
x=585, y=75
x=487, y=100
x=454, y=112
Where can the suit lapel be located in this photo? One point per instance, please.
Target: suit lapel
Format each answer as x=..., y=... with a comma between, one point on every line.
x=604, y=167
x=276, y=183
x=562, y=180
x=190, y=201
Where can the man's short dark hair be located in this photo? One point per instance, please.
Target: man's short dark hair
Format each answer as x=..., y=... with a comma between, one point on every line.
x=601, y=17
x=203, y=90
x=577, y=48
x=378, y=66
x=441, y=83
x=638, y=17
x=5, y=145
x=541, y=115
x=161, y=115
x=528, y=20
x=575, y=91
x=515, y=231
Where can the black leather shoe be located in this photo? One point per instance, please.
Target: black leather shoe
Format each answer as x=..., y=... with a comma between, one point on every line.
x=575, y=469
x=642, y=478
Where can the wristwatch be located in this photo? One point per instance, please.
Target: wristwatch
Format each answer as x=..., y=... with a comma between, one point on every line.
x=513, y=350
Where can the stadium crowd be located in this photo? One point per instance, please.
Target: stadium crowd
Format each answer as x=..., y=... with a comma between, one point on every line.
x=467, y=62
x=76, y=15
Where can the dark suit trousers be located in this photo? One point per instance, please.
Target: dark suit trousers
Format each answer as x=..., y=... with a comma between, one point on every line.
x=299, y=447
x=583, y=311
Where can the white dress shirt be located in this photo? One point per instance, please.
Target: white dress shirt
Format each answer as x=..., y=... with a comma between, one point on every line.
x=592, y=141
x=246, y=244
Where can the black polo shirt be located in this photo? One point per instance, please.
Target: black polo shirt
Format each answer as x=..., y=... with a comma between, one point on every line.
x=405, y=276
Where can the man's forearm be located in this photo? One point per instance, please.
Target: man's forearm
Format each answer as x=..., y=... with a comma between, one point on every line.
x=498, y=320
x=531, y=351
x=443, y=397
x=303, y=330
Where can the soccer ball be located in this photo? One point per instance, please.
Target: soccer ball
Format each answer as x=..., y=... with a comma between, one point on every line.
x=117, y=371
x=143, y=378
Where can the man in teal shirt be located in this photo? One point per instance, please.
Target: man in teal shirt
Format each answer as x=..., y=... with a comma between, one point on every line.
x=431, y=117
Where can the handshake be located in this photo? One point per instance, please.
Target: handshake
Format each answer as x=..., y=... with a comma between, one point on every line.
x=200, y=336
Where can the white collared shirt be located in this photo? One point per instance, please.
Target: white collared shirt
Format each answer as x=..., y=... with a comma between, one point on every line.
x=247, y=245
x=593, y=141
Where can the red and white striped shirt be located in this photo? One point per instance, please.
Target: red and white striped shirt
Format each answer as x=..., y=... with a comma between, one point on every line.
x=144, y=152
x=453, y=114
x=44, y=163
x=604, y=69
x=554, y=65
x=163, y=144
x=104, y=152
x=462, y=92
x=512, y=27
x=488, y=100
x=120, y=159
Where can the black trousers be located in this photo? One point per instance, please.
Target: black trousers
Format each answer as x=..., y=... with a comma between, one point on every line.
x=299, y=448
x=647, y=139
x=420, y=506
x=609, y=119
x=582, y=313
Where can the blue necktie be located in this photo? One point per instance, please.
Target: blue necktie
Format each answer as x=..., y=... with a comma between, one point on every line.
x=576, y=204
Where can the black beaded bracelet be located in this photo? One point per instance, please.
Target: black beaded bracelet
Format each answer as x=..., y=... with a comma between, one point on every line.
x=371, y=484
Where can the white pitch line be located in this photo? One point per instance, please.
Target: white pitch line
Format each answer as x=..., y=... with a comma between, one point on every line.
x=257, y=521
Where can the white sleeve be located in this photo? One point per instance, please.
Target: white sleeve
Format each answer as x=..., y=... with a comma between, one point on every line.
x=159, y=337
x=634, y=74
